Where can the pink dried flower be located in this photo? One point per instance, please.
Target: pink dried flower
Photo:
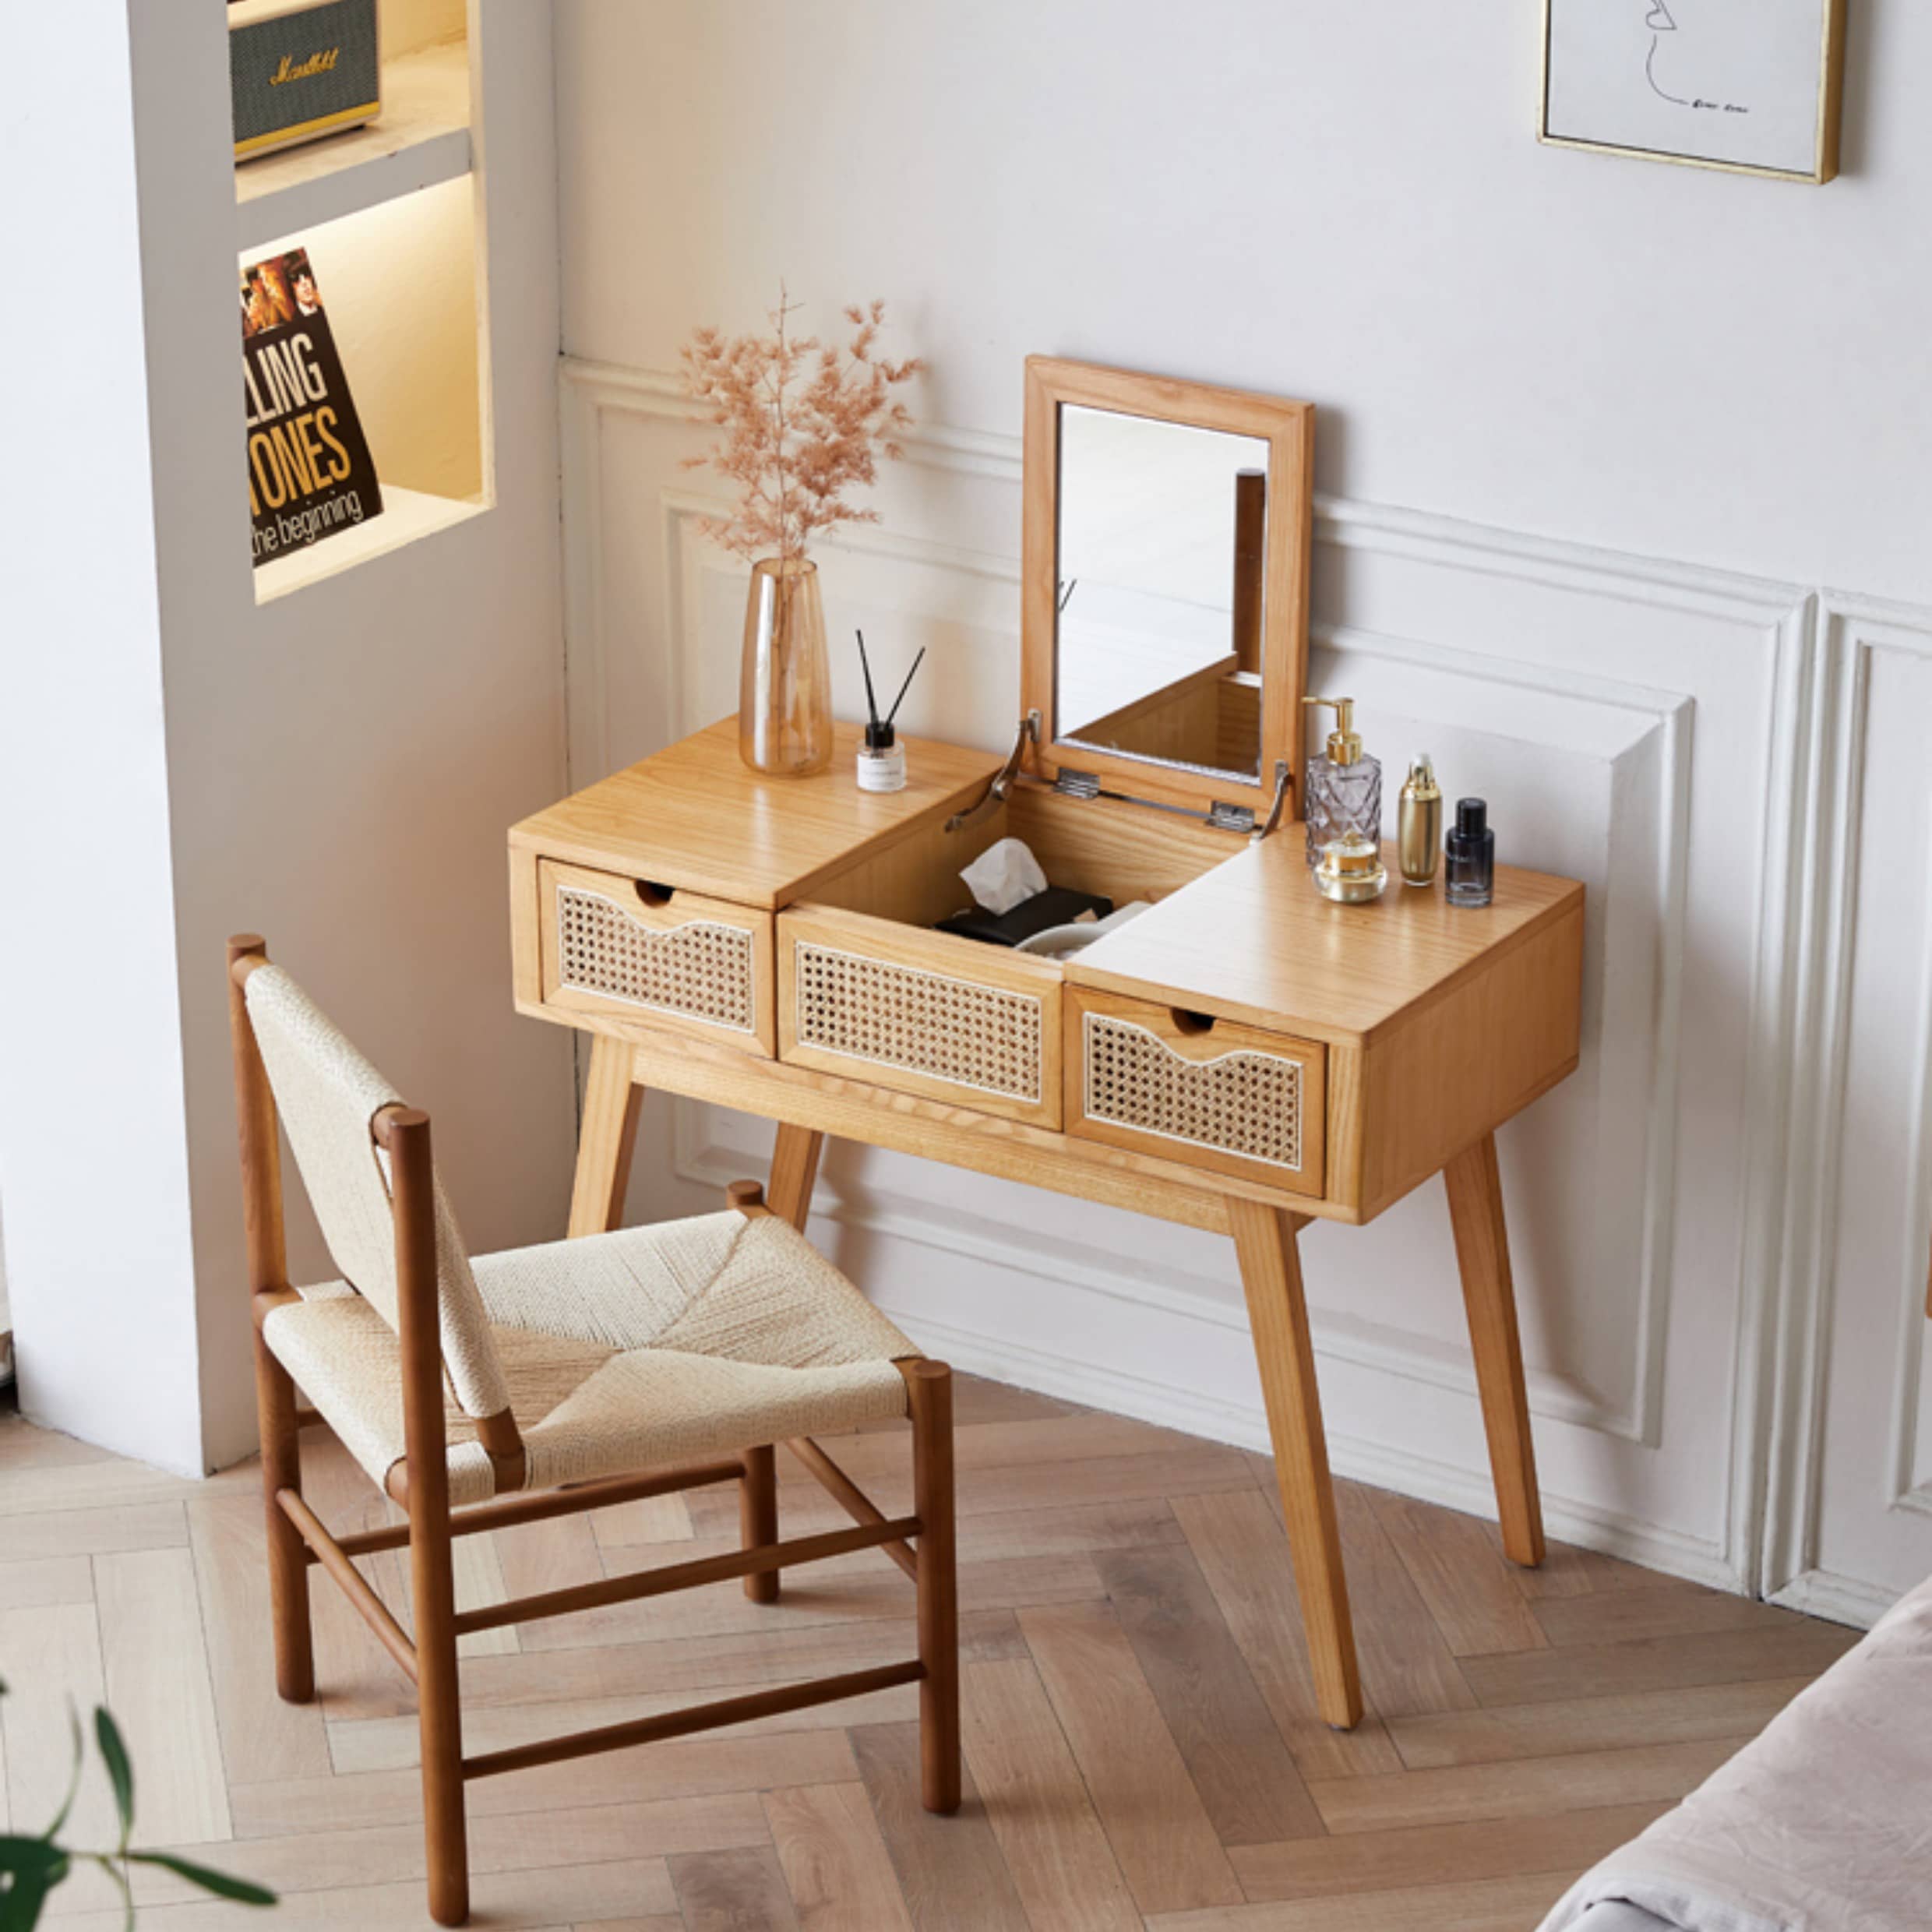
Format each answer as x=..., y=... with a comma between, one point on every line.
x=804, y=425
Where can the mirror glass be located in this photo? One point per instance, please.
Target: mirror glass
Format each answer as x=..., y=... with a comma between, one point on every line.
x=1161, y=544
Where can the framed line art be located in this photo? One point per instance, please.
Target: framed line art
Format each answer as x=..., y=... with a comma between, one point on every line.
x=1754, y=86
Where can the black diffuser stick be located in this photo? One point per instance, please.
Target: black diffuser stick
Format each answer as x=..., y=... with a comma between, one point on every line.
x=907, y=686
x=872, y=703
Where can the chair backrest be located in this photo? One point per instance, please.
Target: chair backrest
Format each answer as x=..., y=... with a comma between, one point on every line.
x=328, y=1096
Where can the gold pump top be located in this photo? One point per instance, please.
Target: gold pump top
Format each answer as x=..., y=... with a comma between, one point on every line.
x=1344, y=742
x=1422, y=780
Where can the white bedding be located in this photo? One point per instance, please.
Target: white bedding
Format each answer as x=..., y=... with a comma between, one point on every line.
x=1823, y=1824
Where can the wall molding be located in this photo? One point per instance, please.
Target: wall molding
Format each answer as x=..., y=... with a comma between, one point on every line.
x=1800, y=1305
x=1838, y=1599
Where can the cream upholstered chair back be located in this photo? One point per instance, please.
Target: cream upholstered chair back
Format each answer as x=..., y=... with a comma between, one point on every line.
x=328, y=1096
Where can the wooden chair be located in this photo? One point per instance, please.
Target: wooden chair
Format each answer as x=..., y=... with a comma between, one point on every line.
x=547, y=1380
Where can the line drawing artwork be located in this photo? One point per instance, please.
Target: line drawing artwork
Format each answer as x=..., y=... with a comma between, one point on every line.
x=1662, y=21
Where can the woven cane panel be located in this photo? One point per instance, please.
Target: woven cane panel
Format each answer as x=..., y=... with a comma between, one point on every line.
x=956, y=1030
x=702, y=969
x=1244, y=1102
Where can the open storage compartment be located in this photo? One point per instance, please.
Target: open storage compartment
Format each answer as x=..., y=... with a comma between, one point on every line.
x=867, y=987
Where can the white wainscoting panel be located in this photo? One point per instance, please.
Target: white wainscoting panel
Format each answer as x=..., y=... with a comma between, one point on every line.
x=1651, y=727
x=1853, y=1522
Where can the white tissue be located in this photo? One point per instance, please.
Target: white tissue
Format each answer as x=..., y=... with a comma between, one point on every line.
x=1004, y=876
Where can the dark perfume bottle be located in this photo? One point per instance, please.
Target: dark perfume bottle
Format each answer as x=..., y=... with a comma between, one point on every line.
x=1471, y=867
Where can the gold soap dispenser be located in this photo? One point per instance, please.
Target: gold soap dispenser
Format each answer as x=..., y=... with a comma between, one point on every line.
x=1344, y=813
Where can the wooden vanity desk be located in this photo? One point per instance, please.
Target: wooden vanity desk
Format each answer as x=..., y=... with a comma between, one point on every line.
x=1242, y=1057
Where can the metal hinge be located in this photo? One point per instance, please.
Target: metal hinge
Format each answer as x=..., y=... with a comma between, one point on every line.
x=1231, y=818
x=1280, y=799
x=1029, y=734
x=1077, y=784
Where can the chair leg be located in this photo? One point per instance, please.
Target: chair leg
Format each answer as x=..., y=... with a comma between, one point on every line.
x=433, y=1592
x=288, y=1564
x=758, y=1517
x=930, y=1387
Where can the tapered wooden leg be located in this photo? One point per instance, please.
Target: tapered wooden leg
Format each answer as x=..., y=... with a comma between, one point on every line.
x=795, y=1172
x=606, y=1138
x=929, y=1392
x=758, y=1518
x=1475, y=1211
x=1272, y=1274
x=287, y=1565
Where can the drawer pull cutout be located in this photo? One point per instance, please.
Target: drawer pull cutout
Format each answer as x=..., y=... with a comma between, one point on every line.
x=1242, y=1101
x=702, y=968
x=954, y=1030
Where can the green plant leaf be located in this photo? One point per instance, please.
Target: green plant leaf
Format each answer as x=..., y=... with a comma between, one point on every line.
x=242, y=1890
x=32, y=1868
x=114, y=1752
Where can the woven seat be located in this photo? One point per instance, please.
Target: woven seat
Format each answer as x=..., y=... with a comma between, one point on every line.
x=622, y=1352
x=506, y=1388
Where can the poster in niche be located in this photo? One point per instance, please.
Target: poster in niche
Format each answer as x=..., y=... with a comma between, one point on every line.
x=310, y=474
x=1753, y=86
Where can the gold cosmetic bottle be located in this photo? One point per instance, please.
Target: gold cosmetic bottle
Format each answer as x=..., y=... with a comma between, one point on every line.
x=1419, y=824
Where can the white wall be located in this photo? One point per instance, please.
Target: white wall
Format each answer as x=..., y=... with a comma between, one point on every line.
x=1595, y=435
x=335, y=768
x=91, y=1154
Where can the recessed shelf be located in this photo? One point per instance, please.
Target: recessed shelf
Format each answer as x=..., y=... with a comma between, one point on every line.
x=407, y=515
x=421, y=137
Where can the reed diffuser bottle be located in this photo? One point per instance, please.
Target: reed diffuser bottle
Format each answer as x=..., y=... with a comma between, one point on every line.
x=882, y=765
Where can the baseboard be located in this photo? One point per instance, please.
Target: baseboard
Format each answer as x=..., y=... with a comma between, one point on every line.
x=1838, y=1599
x=1243, y=1426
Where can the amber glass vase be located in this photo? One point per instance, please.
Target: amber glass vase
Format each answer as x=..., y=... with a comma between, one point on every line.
x=785, y=684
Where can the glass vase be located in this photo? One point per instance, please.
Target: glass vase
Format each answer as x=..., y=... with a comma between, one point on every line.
x=785, y=684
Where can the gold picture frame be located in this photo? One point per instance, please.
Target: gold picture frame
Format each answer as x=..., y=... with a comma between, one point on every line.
x=1830, y=113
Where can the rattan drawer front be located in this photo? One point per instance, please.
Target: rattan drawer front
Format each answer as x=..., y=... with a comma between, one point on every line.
x=616, y=948
x=1192, y=1088
x=920, y=1012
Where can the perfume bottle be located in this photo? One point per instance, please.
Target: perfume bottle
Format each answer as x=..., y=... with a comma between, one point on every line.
x=1472, y=856
x=1419, y=824
x=1345, y=788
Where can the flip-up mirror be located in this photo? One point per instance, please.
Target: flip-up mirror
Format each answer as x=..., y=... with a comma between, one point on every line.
x=1167, y=539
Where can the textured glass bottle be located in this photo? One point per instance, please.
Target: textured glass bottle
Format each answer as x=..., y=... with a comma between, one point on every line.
x=1344, y=789
x=785, y=680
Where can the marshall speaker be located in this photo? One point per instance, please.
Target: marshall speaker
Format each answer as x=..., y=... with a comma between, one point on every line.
x=300, y=68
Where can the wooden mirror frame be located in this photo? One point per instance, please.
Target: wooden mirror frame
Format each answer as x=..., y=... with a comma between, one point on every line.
x=1289, y=429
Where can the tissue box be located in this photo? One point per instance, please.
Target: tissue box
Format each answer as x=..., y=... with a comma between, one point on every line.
x=299, y=68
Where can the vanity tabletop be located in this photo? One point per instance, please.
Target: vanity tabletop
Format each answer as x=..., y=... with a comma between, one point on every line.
x=1253, y=940
x=1249, y=938
x=694, y=815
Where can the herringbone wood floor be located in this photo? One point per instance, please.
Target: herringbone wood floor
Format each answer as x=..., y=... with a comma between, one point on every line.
x=1140, y=1736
